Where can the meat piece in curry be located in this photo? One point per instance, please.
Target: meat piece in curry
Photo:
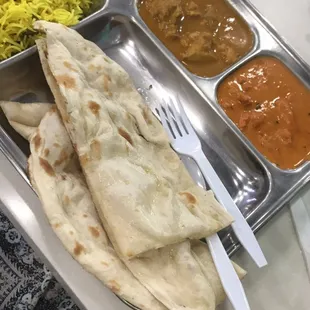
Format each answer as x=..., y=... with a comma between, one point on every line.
x=272, y=108
x=207, y=36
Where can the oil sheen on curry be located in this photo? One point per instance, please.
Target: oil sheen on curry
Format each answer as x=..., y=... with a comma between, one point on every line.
x=207, y=36
x=272, y=108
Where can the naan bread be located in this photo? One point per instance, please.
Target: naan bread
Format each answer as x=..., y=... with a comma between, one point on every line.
x=24, y=118
x=173, y=276
x=142, y=191
x=57, y=178
x=181, y=276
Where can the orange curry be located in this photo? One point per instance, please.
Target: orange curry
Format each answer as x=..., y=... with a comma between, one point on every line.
x=207, y=36
x=272, y=108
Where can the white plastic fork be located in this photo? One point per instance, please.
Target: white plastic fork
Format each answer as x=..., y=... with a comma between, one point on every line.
x=217, y=250
x=185, y=141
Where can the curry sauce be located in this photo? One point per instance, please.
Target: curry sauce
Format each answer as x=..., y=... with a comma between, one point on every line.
x=207, y=36
x=272, y=108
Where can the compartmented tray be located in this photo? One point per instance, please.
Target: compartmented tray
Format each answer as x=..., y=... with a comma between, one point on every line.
x=258, y=187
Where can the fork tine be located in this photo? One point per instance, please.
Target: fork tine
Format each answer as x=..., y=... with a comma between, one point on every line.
x=171, y=122
x=164, y=122
x=183, y=116
x=177, y=117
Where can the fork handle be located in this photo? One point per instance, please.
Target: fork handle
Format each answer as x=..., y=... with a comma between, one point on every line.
x=241, y=228
x=229, y=278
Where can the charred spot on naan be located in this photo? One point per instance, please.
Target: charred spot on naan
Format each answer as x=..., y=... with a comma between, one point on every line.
x=66, y=200
x=37, y=141
x=125, y=135
x=78, y=249
x=106, y=82
x=45, y=52
x=85, y=215
x=84, y=159
x=94, y=231
x=66, y=117
x=190, y=198
x=57, y=225
x=69, y=66
x=56, y=144
x=95, y=149
x=46, y=152
x=129, y=254
x=146, y=113
x=93, y=68
x=63, y=156
x=66, y=80
x=114, y=286
x=94, y=107
x=46, y=167
x=53, y=109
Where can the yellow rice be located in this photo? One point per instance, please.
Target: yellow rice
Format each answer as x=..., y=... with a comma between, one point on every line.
x=17, y=17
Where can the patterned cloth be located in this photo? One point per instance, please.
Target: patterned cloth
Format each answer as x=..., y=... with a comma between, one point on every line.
x=25, y=282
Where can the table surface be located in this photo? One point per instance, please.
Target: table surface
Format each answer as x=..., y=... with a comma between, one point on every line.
x=284, y=284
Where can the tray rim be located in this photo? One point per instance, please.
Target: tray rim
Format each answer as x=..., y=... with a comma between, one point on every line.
x=25, y=178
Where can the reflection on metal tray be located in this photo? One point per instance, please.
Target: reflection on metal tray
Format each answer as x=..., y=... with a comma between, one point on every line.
x=259, y=188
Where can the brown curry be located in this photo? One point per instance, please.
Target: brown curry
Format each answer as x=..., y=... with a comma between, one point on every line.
x=272, y=108
x=207, y=36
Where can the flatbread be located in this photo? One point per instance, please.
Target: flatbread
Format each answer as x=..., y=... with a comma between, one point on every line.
x=57, y=178
x=173, y=276
x=24, y=118
x=144, y=195
x=182, y=276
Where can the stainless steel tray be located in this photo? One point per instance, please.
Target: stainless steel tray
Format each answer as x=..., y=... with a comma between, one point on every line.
x=259, y=188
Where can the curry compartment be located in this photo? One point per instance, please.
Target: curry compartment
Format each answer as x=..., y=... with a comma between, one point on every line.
x=206, y=36
x=271, y=106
